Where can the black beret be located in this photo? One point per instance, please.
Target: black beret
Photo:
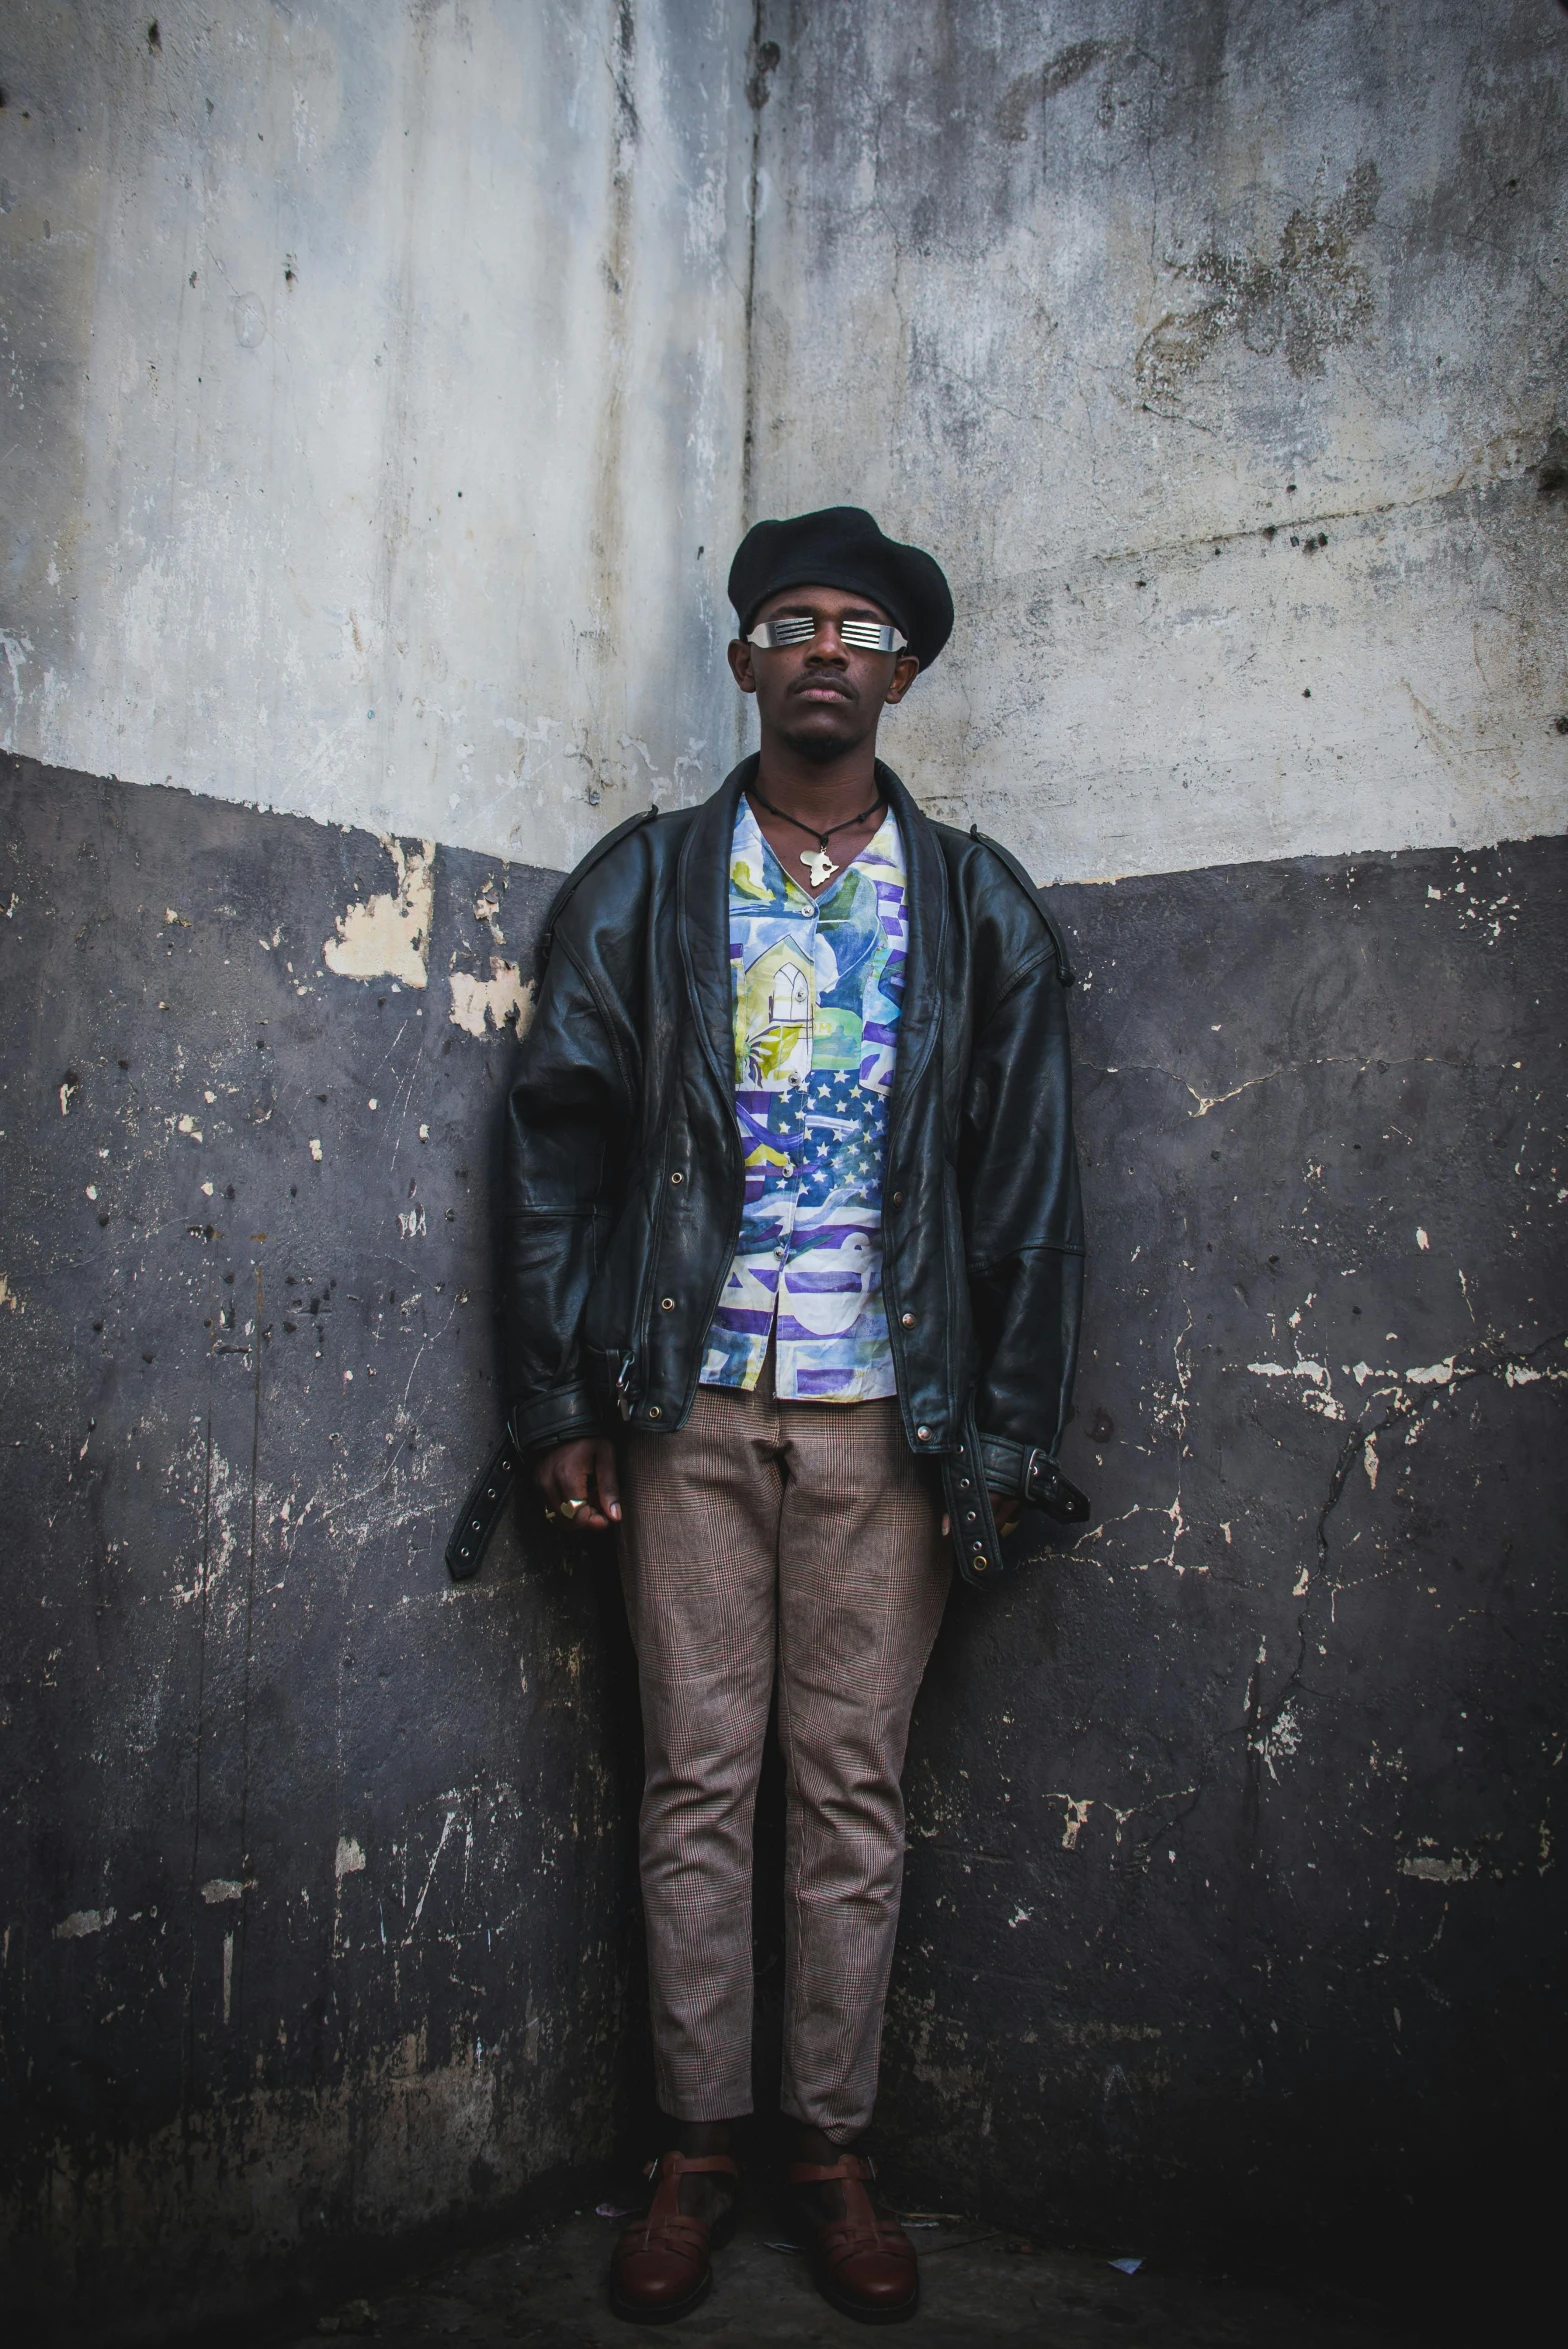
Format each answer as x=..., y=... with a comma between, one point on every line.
x=842, y=547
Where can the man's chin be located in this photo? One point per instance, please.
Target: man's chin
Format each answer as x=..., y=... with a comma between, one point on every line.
x=820, y=750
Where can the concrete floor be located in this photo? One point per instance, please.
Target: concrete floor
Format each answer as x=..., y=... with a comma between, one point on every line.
x=978, y=2285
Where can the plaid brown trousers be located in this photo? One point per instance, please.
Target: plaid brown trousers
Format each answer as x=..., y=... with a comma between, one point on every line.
x=806, y=1534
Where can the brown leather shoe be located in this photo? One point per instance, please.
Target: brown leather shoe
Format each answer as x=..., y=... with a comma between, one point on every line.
x=863, y=2266
x=660, y=2270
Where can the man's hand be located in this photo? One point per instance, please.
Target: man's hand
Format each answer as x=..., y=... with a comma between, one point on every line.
x=1006, y=1508
x=583, y=1472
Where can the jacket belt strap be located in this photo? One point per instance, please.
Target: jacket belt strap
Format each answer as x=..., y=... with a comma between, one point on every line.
x=482, y=1511
x=977, y=1545
x=1032, y=1474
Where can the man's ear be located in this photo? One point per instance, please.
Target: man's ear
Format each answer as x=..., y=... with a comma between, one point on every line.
x=905, y=670
x=741, y=668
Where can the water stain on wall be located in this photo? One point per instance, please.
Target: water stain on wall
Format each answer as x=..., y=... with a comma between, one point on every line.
x=1311, y=297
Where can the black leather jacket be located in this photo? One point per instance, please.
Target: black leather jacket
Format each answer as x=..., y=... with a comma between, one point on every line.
x=623, y=1175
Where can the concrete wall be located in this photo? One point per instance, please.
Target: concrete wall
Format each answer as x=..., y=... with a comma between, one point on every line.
x=373, y=396
x=1078, y=297
x=315, y=1929
x=1217, y=350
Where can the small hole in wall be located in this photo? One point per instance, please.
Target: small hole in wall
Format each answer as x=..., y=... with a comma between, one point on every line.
x=154, y=37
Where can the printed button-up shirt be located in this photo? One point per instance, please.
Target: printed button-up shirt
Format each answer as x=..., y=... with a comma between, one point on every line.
x=818, y=986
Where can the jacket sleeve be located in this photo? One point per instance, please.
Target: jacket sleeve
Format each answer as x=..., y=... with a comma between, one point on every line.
x=1023, y=1217
x=568, y=1119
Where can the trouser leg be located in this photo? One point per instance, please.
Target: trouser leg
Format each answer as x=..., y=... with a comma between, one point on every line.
x=699, y=1565
x=863, y=1578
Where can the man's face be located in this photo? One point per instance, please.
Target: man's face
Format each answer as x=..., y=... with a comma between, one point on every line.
x=823, y=697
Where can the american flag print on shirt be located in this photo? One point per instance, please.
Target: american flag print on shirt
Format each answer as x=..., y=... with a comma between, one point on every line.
x=818, y=987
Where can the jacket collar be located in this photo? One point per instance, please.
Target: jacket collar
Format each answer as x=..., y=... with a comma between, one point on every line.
x=702, y=898
x=702, y=912
x=925, y=871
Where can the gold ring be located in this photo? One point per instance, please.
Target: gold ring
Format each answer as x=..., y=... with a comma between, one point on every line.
x=570, y=1508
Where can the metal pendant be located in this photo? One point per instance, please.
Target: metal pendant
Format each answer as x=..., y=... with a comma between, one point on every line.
x=819, y=865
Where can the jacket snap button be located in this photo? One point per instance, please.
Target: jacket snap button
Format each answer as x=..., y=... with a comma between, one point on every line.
x=971, y=1517
x=908, y=1320
x=979, y=1565
x=654, y=1412
x=677, y=1178
x=963, y=1484
x=898, y=1198
x=922, y=1435
x=666, y=1304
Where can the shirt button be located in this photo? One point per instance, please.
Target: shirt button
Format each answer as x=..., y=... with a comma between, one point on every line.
x=666, y=1304
x=908, y=1320
x=922, y=1435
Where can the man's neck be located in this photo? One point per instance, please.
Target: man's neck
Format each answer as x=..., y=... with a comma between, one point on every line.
x=819, y=795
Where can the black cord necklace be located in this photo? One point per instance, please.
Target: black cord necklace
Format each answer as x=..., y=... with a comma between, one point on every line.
x=817, y=861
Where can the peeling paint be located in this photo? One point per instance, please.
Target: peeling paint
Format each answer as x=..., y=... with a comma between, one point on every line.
x=82, y=1922
x=1460, y=1870
x=504, y=1000
x=388, y=936
x=1075, y=1818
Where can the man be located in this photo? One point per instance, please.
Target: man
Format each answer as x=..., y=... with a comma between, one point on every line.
x=793, y=1266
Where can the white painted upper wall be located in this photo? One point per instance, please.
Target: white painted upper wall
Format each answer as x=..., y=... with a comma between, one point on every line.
x=372, y=386
x=1075, y=293
x=375, y=381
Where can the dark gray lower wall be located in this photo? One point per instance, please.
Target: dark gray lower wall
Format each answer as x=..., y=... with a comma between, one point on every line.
x=1235, y=1912
x=1233, y=1920
x=315, y=1924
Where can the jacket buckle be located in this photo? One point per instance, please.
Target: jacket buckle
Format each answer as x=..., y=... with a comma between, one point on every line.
x=623, y=1381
